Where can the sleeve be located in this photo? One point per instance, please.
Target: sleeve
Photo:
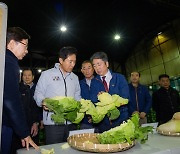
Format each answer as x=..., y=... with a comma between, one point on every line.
x=12, y=105
x=130, y=106
x=178, y=100
x=77, y=94
x=124, y=88
x=148, y=101
x=39, y=94
x=36, y=111
x=178, y=97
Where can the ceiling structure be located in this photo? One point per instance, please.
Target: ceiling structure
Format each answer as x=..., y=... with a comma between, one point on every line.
x=91, y=26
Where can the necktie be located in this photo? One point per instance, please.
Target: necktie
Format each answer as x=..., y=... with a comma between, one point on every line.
x=105, y=83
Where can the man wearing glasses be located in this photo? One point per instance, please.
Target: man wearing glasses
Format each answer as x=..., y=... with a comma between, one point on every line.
x=13, y=118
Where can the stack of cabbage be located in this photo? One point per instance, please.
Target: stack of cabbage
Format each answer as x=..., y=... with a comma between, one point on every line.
x=107, y=105
x=126, y=132
x=66, y=108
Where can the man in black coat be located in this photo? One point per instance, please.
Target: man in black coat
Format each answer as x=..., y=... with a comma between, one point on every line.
x=31, y=110
x=166, y=100
x=13, y=118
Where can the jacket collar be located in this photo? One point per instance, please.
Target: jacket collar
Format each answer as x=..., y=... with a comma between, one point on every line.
x=57, y=66
x=10, y=53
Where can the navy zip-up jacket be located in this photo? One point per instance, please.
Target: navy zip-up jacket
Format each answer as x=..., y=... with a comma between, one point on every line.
x=118, y=85
x=143, y=97
x=87, y=93
x=13, y=115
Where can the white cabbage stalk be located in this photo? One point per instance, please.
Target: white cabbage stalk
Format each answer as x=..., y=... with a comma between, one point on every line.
x=176, y=116
x=172, y=126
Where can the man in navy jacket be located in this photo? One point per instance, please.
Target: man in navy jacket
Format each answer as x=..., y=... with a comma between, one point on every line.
x=140, y=99
x=13, y=118
x=116, y=84
x=85, y=84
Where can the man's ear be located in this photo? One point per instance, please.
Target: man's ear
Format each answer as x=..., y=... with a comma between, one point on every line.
x=107, y=64
x=60, y=60
x=81, y=70
x=11, y=44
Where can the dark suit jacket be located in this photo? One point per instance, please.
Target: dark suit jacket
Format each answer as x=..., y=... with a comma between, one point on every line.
x=13, y=115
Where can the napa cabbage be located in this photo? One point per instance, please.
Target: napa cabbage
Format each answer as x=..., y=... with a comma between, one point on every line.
x=126, y=132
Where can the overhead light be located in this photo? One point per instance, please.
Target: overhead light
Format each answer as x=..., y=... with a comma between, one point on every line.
x=63, y=28
x=117, y=37
x=20, y=71
x=39, y=70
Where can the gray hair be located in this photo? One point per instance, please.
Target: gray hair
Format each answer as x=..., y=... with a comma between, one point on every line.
x=99, y=55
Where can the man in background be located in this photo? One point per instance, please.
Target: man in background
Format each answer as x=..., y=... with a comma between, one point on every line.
x=86, y=83
x=166, y=100
x=13, y=117
x=30, y=108
x=140, y=99
x=86, y=86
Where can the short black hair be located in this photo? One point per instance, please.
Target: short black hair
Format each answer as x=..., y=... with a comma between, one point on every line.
x=86, y=61
x=28, y=69
x=16, y=34
x=67, y=51
x=163, y=76
x=99, y=55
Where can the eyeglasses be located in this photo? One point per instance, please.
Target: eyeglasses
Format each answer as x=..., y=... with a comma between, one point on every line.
x=24, y=44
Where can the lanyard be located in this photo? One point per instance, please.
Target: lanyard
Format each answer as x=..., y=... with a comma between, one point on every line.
x=64, y=79
x=65, y=86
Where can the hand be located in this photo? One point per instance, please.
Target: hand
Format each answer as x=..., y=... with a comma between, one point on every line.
x=110, y=121
x=44, y=106
x=142, y=115
x=34, y=129
x=26, y=141
x=89, y=119
x=100, y=93
x=41, y=124
x=135, y=112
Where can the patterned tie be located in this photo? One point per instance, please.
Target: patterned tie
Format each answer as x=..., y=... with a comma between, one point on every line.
x=105, y=84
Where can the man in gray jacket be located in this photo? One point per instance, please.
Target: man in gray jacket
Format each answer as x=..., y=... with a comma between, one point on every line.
x=58, y=81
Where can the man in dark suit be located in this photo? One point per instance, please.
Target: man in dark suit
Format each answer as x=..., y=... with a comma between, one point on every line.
x=13, y=118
